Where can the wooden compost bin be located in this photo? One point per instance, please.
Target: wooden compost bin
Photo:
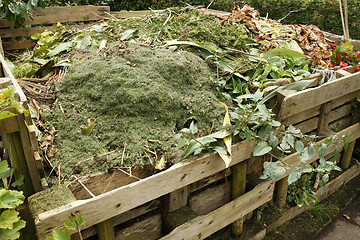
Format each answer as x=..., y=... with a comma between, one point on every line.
x=199, y=188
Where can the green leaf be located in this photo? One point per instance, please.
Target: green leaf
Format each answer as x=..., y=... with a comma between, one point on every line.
x=128, y=34
x=193, y=128
x=322, y=149
x=59, y=234
x=86, y=131
x=277, y=52
x=75, y=220
x=181, y=144
x=8, y=218
x=6, y=114
x=311, y=150
x=220, y=150
x=18, y=182
x=193, y=145
x=4, y=167
x=220, y=134
x=85, y=42
x=261, y=149
x=336, y=152
x=12, y=234
x=299, y=146
x=323, y=181
x=272, y=171
x=102, y=44
x=60, y=48
x=294, y=176
x=10, y=198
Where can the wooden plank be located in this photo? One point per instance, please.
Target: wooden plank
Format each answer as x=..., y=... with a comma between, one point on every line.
x=203, y=226
x=9, y=125
x=126, y=216
x=105, y=230
x=281, y=188
x=120, y=200
x=8, y=73
x=209, y=180
x=324, y=119
x=146, y=229
x=341, y=124
x=24, y=32
x=29, y=154
x=238, y=189
x=14, y=45
x=309, y=98
x=210, y=199
x=178, y=198
x=312, y=112
x=18, y=162
x=5, y=82
x=334, y=115
x=131, y=14
x=49, y=15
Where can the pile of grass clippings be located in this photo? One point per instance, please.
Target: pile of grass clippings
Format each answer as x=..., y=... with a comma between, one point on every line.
x=138, y=99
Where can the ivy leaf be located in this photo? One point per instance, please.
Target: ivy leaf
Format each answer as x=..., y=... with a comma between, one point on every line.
x=261, y=149
x=10, y=198
x=12, y=234
x=75, y=220
x=59, y=234
x=323, y=181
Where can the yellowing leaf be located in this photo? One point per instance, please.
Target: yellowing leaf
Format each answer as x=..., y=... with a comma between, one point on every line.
x=227, y=140
x=88, y=129
x=161, y=164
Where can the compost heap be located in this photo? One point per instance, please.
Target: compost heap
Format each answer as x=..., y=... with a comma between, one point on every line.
x=124, y=110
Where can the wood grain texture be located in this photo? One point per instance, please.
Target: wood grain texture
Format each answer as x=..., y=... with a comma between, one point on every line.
x=120, y=200
x=49, y=15
x=203, y=226
x=309, y=98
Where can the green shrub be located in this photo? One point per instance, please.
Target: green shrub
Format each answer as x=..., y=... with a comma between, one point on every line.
x=323, y=13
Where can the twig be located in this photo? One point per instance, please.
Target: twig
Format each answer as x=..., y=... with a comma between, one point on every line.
x=38, y=110
x=210, y=4
x=293, y=11
x=129, y=174
x=104, y=154
x=168, y=18
x=59, y=175
x=123, y=154
x=342, y=18
x=317, y=181
x=346, y=19
x=91, y=194
x=76, y=179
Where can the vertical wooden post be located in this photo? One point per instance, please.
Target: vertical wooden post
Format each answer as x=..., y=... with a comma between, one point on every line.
x=281, y=188
x=346, y=156
x=238, y=189
x=105, y=230
x=18, y=162
x=179, y=198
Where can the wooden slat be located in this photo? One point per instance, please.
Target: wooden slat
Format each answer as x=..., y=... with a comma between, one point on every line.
x=8, y=73
x=49, y=15
x=203, y=226
x=24, y=32
x=334, y=115
x=309, y=98
x=131, y=14
x=120, y=200
x=9, y=125
x=14, y=45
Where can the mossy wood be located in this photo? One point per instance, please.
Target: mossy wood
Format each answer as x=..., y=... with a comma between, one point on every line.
x=238, y=189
